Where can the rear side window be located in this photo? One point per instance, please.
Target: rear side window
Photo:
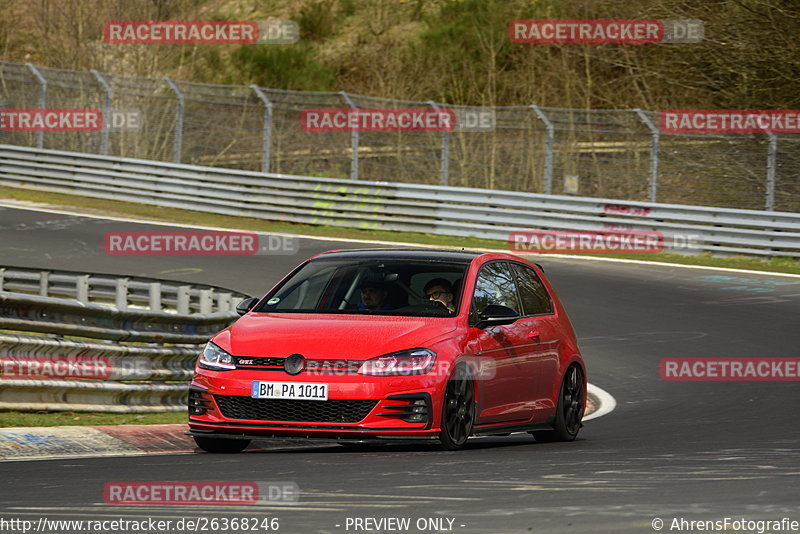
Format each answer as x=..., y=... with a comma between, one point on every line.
x=535, y=300
x=495, y=285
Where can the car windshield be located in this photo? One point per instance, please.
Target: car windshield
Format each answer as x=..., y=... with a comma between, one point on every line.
x=372, y=287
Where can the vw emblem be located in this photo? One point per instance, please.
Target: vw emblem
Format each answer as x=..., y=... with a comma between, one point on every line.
x=294, y=364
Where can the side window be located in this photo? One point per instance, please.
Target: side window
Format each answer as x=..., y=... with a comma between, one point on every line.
x=495, y=285
x=535, y=299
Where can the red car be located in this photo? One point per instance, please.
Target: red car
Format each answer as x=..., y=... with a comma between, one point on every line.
x=357, y=345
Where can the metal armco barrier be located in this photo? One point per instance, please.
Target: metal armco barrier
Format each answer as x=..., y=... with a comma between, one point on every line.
x=441, y=210
x=137, y=340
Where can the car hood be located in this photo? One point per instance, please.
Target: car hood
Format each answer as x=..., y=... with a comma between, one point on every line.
x=336, y=336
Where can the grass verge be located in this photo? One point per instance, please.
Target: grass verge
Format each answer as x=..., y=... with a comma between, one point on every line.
x=15, y=419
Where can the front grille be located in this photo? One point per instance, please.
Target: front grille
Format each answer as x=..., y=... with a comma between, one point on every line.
x=329, y=411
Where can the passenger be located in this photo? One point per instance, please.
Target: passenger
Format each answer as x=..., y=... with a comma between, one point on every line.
x=440, y=290
x=374, y=295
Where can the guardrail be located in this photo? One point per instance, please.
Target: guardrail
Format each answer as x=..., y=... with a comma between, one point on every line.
x=453, y=211
x=133, y=347
x=120, y=291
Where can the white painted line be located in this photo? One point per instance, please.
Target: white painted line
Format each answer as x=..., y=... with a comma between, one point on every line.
x=24, y=206
x=607, y=402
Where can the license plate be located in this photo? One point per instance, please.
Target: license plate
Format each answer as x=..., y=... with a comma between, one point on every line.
x=290, y=391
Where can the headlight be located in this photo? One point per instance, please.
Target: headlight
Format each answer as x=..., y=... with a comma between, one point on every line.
x=404, y=362
x=215, y=358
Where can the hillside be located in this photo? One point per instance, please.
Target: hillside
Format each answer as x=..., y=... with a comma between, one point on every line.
x=454, y=51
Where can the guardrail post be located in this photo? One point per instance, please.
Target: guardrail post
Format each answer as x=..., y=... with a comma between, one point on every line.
x=106, y=111
x=224, y=302
x=655, y=142
x=182, y=303
x=154, y=296
x=2, y=277
x=42, y=100
x=548, y=154
x=444, y=172
x=772, y=155
x=176, y=155
x=44, y=283
x=121, y=295
x=82, y=288
x=354, y=139
x=206, y=301
x=266, y=137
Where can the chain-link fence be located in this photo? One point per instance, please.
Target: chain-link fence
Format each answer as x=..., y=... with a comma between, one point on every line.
x=618, y=154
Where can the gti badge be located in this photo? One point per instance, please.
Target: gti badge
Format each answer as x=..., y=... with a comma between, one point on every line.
x=294, y=364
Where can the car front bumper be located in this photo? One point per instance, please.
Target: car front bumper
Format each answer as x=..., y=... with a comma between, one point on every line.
x=359, y=407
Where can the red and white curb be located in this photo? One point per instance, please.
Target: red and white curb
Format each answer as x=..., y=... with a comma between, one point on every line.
x=40, y=443
x=599, y=403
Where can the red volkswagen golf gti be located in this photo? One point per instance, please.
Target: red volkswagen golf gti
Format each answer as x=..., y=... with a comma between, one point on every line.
x=374, y=344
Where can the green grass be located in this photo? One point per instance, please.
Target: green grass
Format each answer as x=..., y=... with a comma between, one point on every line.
x=171, y=215
x=16, y=419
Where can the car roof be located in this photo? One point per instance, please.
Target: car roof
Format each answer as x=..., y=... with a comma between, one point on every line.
x=429, y=254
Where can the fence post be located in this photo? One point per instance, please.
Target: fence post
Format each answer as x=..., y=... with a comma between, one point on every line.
x=445, y=167
x=655, y=142
x=176, y=157
x=266, y=138
x=772, y=156
x=106, y=112
x=42, y=100
x=548, y=155
x=354, y=140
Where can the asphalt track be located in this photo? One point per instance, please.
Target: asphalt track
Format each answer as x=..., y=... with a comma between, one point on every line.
x=692, y=450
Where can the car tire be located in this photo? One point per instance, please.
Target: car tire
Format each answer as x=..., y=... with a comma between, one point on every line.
x=571, y=404
x=221, y=446
x=458, y=409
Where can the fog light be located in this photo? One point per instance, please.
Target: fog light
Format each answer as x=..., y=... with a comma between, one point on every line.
x=419, y=412
x=198, y=403
x=413, y=410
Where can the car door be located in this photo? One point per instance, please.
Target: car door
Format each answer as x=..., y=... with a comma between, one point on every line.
x=503, y=394
x=537, y=342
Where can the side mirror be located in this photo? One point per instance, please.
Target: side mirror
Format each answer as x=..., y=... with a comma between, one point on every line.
x=496, y=315
x=246, y=305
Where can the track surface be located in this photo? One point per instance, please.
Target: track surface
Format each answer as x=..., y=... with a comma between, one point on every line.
x=697, y=450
